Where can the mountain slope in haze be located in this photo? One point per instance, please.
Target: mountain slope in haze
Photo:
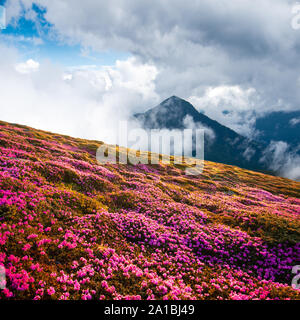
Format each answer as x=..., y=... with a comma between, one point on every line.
x=221, y=144
x=280, y=126
x=73, y=229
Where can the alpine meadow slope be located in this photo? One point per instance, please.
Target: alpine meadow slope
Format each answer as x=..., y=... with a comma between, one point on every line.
x=73, y=229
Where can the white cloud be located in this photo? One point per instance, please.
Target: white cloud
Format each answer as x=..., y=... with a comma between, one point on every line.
x=194, y=43
x=2, y=18
x=232, y=106
x=82, y=102
x=294, y=121
x=28, y=66
x=189, y=123
x=15, y=39
x=281, y=159
x=229, y=97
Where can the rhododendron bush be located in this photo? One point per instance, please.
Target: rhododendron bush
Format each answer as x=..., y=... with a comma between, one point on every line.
x=73, y=229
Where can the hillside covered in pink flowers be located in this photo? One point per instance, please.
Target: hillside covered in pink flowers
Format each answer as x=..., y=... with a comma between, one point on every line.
x=72, y=229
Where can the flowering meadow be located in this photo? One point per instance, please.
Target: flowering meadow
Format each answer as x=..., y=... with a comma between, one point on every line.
x=72, y=229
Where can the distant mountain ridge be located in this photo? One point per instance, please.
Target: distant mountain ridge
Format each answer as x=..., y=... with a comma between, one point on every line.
x=228, y=147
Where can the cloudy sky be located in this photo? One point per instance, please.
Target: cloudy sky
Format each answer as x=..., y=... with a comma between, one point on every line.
x=71, y=66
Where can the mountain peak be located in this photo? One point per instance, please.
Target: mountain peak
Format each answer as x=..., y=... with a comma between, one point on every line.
x=170, y=114
x=222, y=144
x=177, y=104
x=173, y=99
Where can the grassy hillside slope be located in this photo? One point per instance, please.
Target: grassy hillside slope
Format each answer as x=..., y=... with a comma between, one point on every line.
x=72, y=229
